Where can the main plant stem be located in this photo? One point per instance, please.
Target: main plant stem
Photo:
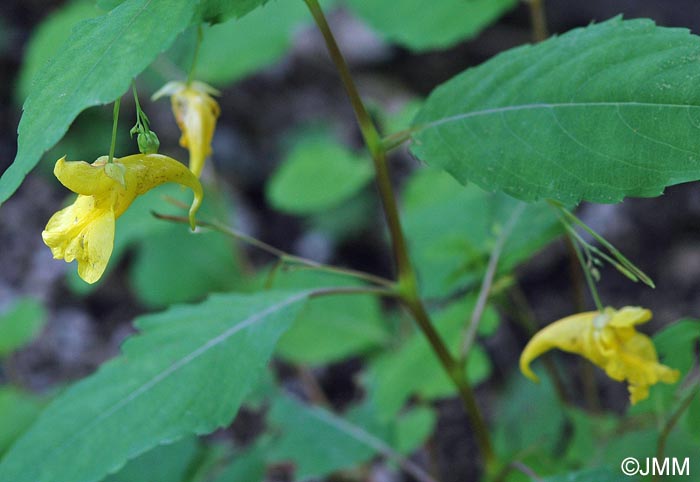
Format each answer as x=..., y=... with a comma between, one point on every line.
x=407, y=287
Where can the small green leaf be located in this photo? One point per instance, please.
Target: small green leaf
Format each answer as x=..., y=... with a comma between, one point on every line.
x=597, y=114
x=331, y=328
x=590, y=475
x=239, y=47
x=246, y=466
x=186, y=373
x=93, y=67
x=414, y=369
x=216, y=11
x=17, y=412
x=20, y=324
x=319, y=442
x=317, y=175
x=444, y=23
x=451, y=230
x=165, y=463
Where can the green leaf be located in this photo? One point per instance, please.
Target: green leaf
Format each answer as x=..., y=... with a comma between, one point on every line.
x=333, y=328
x=239, y=47
x=93, y=67
x=413, y=368
x=20, y=324
x=320, y=442
x=246, y=466
x=597, y=114
x=186, y=373
x=676, y=346
x=17, y=412
x=216, y=11
x=47, y=38
x=165, y=463
x=317, y=175
x=452, y=229
x=446, y=22
x=591, y=475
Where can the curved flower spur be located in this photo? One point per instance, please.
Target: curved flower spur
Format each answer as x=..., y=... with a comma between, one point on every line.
x=84, y=231
x=608, y=339
x=196, y=112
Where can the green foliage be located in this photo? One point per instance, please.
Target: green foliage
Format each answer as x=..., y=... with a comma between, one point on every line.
x=216, y=11
x=165, y=463
x=317, y=175
x=452, y=229
x=418, y=26
x=594, y=475
x=247, y=465
x=412, y=368
x=529, y=420
x=676, y=346
x=170, y=263
x=239, y=47
x=20, y=324
x=93, y=67
x=320, y=442
x=187, y=373
x=599, y=113
x=331, y=328
x=17, y=412
x=47, y=38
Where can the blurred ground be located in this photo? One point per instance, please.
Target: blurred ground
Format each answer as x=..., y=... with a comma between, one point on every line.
x=660, y=235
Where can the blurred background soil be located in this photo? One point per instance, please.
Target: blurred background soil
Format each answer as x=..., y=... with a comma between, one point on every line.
x=660, y=235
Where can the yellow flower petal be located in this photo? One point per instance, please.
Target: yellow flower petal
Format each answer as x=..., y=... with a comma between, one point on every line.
x=84, y=231
x=196, y=113
x=609, y=340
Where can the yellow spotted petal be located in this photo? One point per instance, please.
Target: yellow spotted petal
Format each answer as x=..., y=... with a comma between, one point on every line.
x=146, y=171
x=83, y=231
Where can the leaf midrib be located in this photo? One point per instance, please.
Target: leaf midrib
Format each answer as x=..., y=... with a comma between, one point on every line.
x=177, y=365
x=535, y=106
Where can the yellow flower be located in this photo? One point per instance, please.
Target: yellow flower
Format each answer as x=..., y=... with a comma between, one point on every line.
x=609, y=340
x=85, y=229
x=196, y=112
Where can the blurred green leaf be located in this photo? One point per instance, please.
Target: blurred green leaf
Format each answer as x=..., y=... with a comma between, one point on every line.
x=317, y=175
x=529, y=420
x=186, y=373
x=591, y=475
x=451, y=230
x=170, y=263
x=248, y=465
x=419, y=26
x=165, y=463
x=319, y=442
x=215, y=11
x=413, y=368
x=20, y=323
x=47, y=38
x=599, y=113
x=17, y=412
x=95, y=66
x=239, y=47
x=331, y=328
x=676, y=346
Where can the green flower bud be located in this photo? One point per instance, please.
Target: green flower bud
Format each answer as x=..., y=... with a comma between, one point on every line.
x=148, y=142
